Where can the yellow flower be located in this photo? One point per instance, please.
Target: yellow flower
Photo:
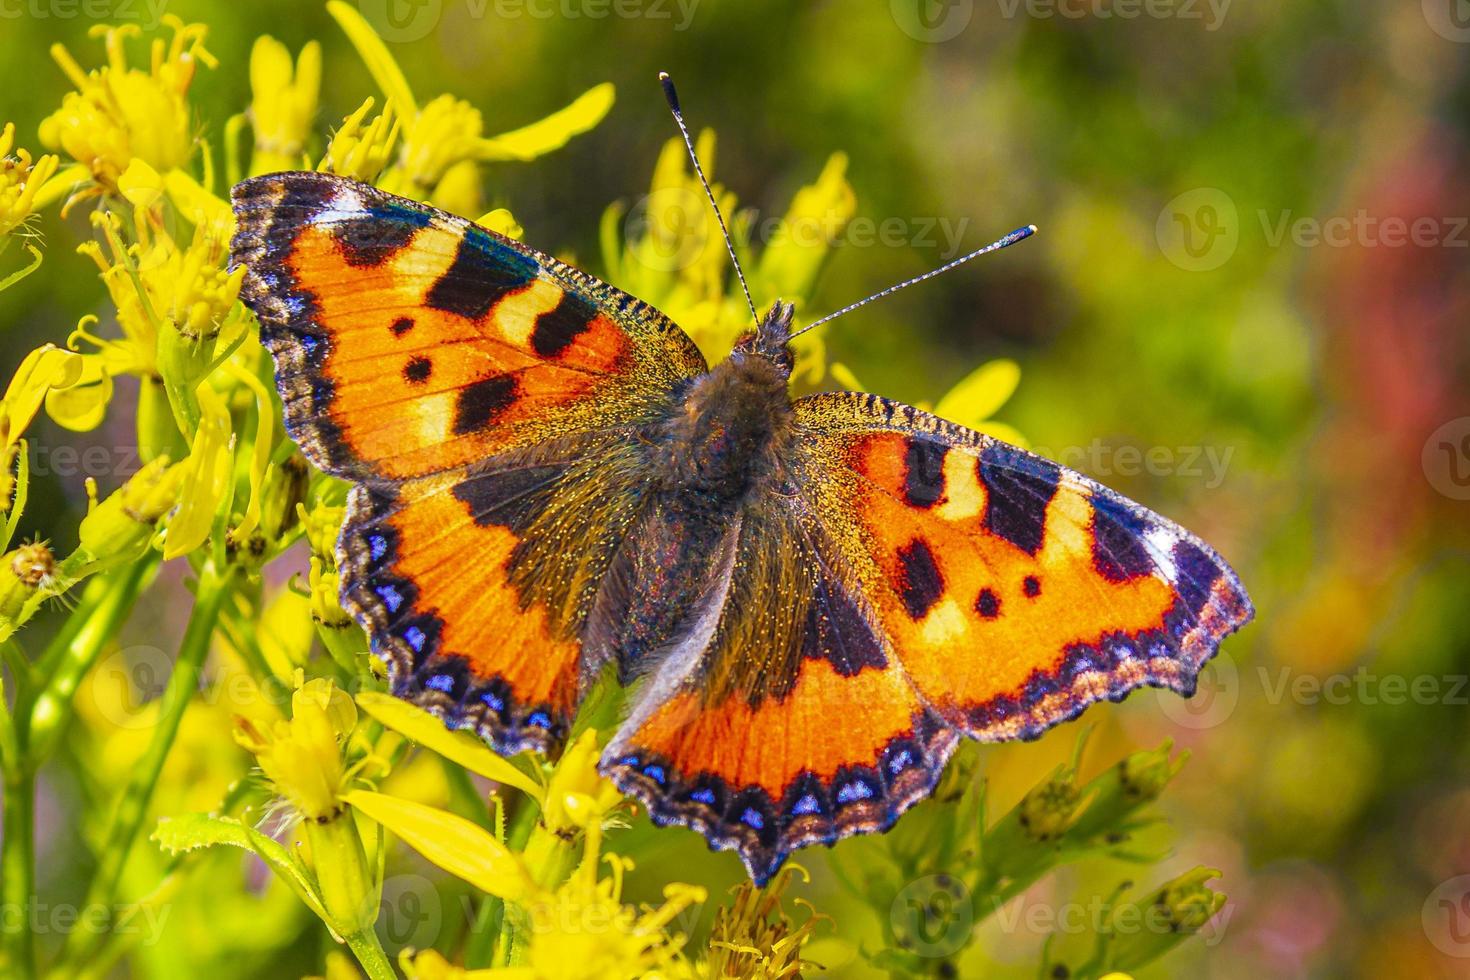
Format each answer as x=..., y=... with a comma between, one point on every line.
x=119, y=113
x=283, y=103
x=673, y=255
x=585, y=932
x=20, y=180
x=755, y=937
x=578, y=796
x=358, y=151
x=303, y=759
x=120, y=527
x=448, y=132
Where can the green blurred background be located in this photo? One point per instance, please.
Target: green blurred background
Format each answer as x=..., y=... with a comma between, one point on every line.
x=1217, y=318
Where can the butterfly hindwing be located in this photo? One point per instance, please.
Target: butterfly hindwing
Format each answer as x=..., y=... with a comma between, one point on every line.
x=409, y=341
x=475, y=584
x=1015, y=591
x=785, y=722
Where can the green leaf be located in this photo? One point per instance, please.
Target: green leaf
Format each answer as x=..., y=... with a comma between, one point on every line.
x=420, y=726
x=196, y=830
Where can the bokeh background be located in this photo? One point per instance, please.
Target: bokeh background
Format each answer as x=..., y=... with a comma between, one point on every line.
x=1248, y=307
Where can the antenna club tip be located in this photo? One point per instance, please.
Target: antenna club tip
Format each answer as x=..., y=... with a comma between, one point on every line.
x=669, y=93
x=1031, y=229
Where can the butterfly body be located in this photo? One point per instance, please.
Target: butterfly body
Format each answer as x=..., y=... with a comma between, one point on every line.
x=811, y=599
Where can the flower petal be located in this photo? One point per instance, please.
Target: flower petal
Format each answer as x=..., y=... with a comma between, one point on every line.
x=462, y=848
x=551, y=133
x=374, y=52
x=420, y=726
x=981, y=393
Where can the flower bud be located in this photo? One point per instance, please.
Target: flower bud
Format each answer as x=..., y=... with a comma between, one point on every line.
x=120, y=527
x=1050, y=809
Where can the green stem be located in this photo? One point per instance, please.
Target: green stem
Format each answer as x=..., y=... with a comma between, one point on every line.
x=105, y=605
x=214, y=588
x=17, y=873
x=369, y=952
x=490, y=931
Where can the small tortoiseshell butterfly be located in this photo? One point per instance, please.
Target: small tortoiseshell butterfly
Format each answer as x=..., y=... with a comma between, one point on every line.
x=815, y=597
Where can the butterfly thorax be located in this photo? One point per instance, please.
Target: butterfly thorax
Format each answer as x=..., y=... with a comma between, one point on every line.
x=728, y=431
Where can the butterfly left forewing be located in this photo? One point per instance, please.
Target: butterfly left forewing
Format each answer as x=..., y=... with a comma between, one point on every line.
x=409, y=341
x=1015, y=591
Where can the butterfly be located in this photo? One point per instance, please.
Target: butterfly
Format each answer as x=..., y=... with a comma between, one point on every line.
x=810, y=600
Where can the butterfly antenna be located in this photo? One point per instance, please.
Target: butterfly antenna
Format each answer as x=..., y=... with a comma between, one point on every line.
x=673, y=99
x=995, y=246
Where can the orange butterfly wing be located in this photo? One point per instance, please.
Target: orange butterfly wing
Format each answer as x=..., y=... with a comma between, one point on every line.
x=1015, y=591
x=909, y=581
x=409, y=341
x=482, y=394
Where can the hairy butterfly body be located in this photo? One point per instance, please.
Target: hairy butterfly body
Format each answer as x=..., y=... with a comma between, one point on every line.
x=811, y=598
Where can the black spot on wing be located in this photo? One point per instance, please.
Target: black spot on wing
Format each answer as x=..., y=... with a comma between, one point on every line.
x=481, y=403
x=401, y=326
x=920, y=583
x=924, y=472
x=1118, y=549
x=511, y=498
x=1197, y=573
x=556, y=329
x=987, y=604
x=483, y=273
x=417, y=370
x=1031, y=585
x=1019, y=486
x=371, y=238
x=837, y=632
